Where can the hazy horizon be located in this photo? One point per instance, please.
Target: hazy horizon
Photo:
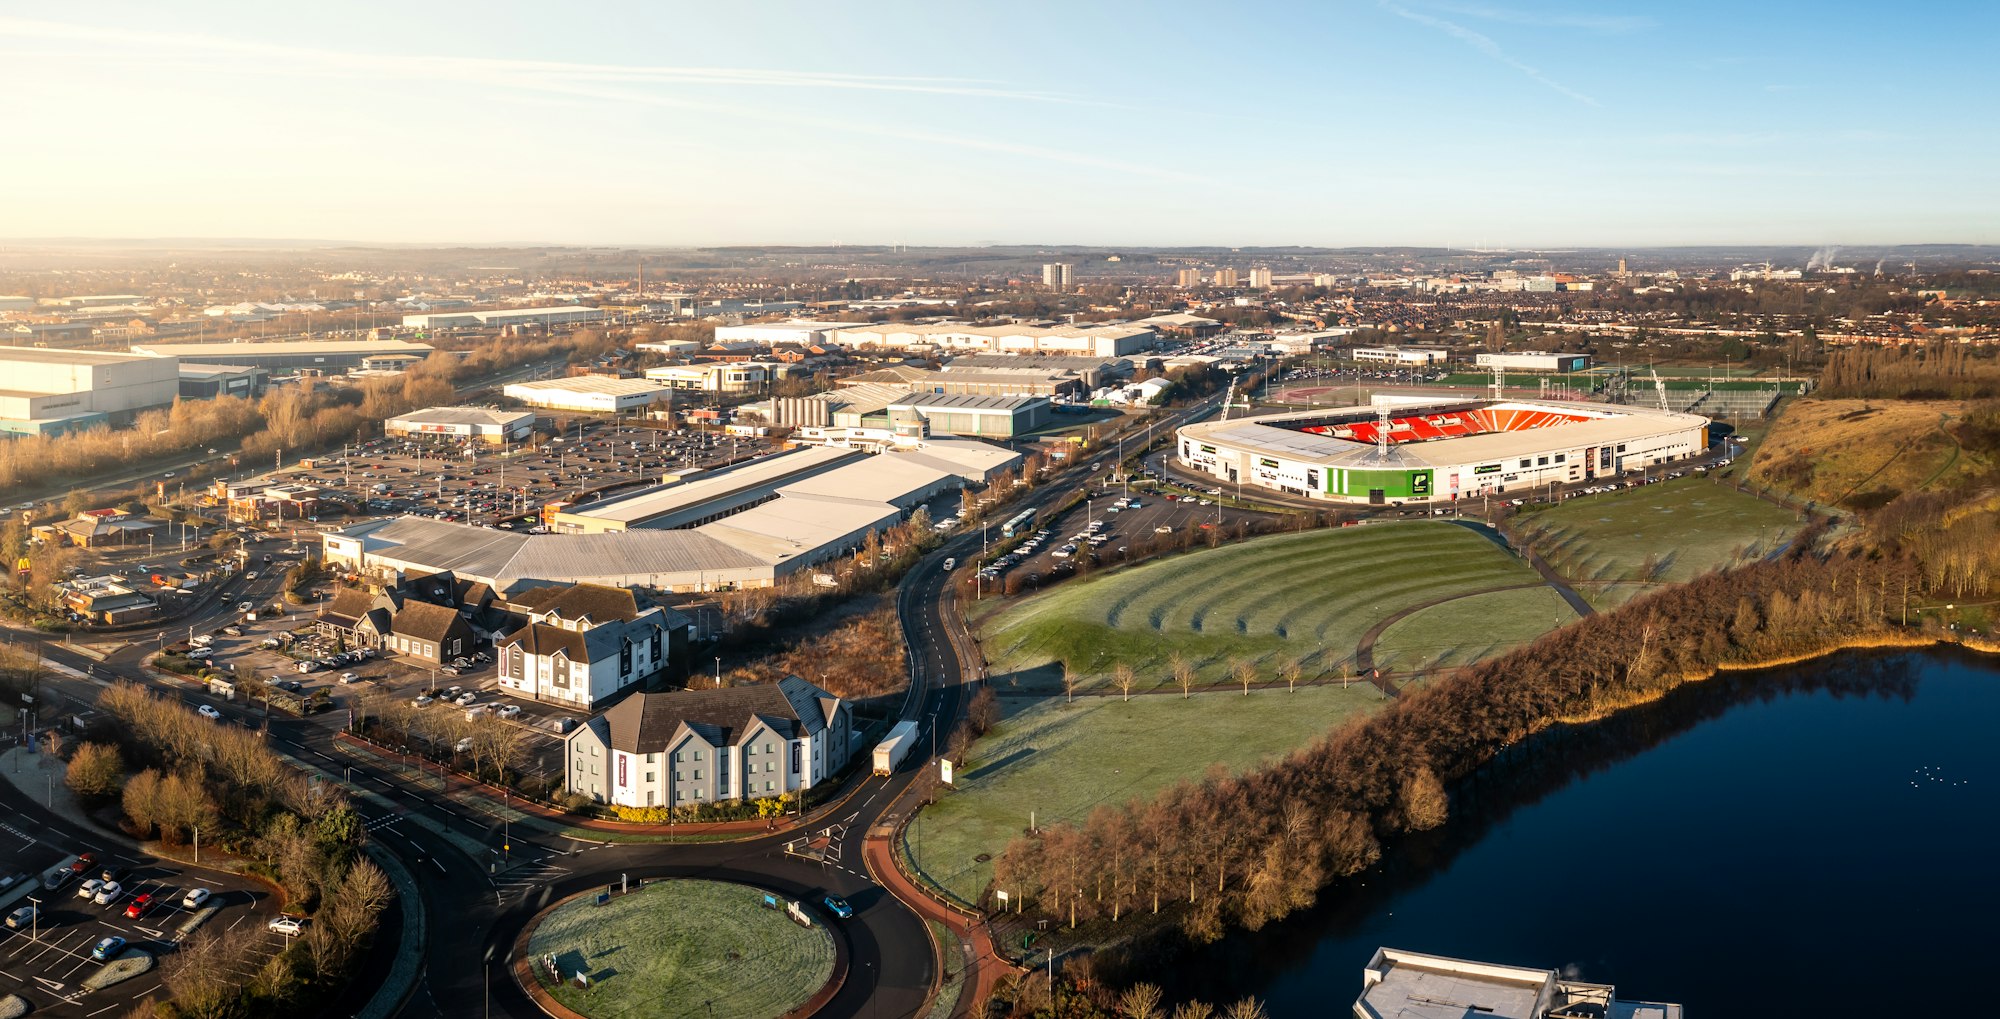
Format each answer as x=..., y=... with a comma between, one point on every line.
x=1432, y=123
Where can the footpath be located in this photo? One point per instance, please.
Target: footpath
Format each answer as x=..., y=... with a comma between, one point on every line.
x=983, y=965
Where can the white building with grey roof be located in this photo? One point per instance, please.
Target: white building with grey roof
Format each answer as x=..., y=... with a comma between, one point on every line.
x=686, y=748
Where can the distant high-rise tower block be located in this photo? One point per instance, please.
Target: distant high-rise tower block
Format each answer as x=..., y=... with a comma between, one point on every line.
x=1057, y=274
x=1326, y=280
x=1621, y=268
x=1260, y=279
x=1189, y=277
x=1223, y=278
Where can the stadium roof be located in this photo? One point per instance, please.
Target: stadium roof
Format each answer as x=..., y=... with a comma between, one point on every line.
x=1608, y=424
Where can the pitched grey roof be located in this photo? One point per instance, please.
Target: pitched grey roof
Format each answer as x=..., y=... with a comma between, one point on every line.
x=646, y=723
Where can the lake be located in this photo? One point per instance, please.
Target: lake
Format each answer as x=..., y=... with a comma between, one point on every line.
x=1818, y=840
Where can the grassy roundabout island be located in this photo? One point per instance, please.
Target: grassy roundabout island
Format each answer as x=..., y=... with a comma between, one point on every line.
x=683, y=948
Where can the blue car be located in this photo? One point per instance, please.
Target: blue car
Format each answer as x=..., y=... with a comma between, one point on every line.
x=107, y=948
x=839, y=907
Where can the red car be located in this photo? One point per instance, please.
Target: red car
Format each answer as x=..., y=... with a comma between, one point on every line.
x=83, y=863
x=138, y=906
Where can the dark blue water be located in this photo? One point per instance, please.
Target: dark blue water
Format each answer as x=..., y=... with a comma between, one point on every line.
x=1821, y=840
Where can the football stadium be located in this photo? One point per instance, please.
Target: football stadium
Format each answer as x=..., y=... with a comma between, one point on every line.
x=1425, y=449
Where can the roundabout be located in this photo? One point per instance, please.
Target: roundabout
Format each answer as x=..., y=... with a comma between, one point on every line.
x=678, y=947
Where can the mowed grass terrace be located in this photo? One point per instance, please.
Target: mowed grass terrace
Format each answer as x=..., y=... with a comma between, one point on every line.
x=1309, y=595
x=684, y=948
x=1057, y=761
x=1682, y=528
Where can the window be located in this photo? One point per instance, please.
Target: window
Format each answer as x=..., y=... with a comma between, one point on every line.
x=769, y=766
x=649, y=792
x=767, y=787
x=767, y=748
x=1526, y=464
x=593, y=769
x=697, y=755
x=1543, y=462
x=1562, y=457
x=651, y=777
x=593, y=750
x=656, y=645
x=680, y=794
x=697, y=794
x=650, y=757
x=697, y=774
x=679, y=777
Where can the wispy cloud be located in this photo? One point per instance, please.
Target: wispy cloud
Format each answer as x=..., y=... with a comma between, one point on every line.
x=1607, y=23
x=518, y=72
x=639, y=85
x=1486, y=45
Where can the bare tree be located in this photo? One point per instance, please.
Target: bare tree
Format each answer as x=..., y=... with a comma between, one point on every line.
x=1141, y=1002
x=1245, y=672
x=201, y=972
x=1248, y=1008
x=1183, y=671
x=1291, y=673
x=1194, y=1010
x=1069, y=682
x=1125, y=676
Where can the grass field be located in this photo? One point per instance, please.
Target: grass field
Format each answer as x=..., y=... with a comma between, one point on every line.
x=1309, y=595
x=1437, y=637
x=684, y=948
x=1685, y=528
x=1862, y=453
x=1059, y=760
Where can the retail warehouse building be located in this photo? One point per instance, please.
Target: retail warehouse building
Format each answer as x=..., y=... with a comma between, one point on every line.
x=590, y=394
x=749, y=526
x=464, y=424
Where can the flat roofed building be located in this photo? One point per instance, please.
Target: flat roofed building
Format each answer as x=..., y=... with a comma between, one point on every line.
x=207, y=381
x=1413, y=985
x=554, y=316
x=1530, y=361
x=1400, y=355
x=702, y=497
x=1099, y=341
x=42, y=389
x=327, y=355
x=999, y=417
x=797, y=331
x=464, y=424
x=690, y=747
x=716, y=376
x=596, y=394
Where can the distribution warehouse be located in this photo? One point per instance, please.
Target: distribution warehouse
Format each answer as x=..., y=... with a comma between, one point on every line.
x=567, y=314
x=748, y=526
x=597, y=394
x=1426, y=449
x=289, y=354
x=46, y=391
x=1089, y=341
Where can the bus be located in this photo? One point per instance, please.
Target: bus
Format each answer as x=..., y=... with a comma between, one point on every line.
x=1020, y=522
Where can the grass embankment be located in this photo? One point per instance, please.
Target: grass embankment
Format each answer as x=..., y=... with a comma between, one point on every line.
x=1471, y=628
x=1309, y=595
x=1058, y=760
x=1621, y=544
x=1859, y=454
x=683, y=948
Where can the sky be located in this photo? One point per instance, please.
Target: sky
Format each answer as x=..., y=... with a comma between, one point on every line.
x=1339, y=123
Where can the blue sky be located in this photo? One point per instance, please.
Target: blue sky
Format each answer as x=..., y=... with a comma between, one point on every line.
x=1457, y=122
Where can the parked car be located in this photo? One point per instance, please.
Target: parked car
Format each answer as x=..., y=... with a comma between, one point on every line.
x=196, y=898
x=108, y=893
x=88, y=889
x=423, y=700
x=509, y=711
x=83, y=863
x=138, y=906
x=462, y=746
x=348, y=677
x=107, y=949
x=467, y=697
x=21, y=917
